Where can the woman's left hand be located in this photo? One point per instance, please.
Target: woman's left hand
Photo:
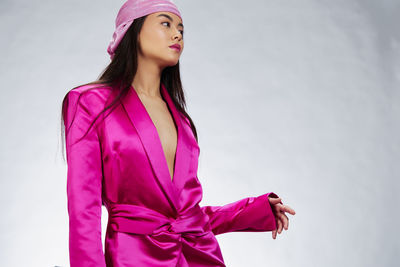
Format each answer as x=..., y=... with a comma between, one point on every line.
x=282, y=221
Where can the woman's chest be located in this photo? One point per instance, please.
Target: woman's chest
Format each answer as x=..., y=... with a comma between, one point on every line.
x=134, y=165
x=165, y=127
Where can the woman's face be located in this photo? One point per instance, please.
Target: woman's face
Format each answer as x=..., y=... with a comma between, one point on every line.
x=160, y=30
